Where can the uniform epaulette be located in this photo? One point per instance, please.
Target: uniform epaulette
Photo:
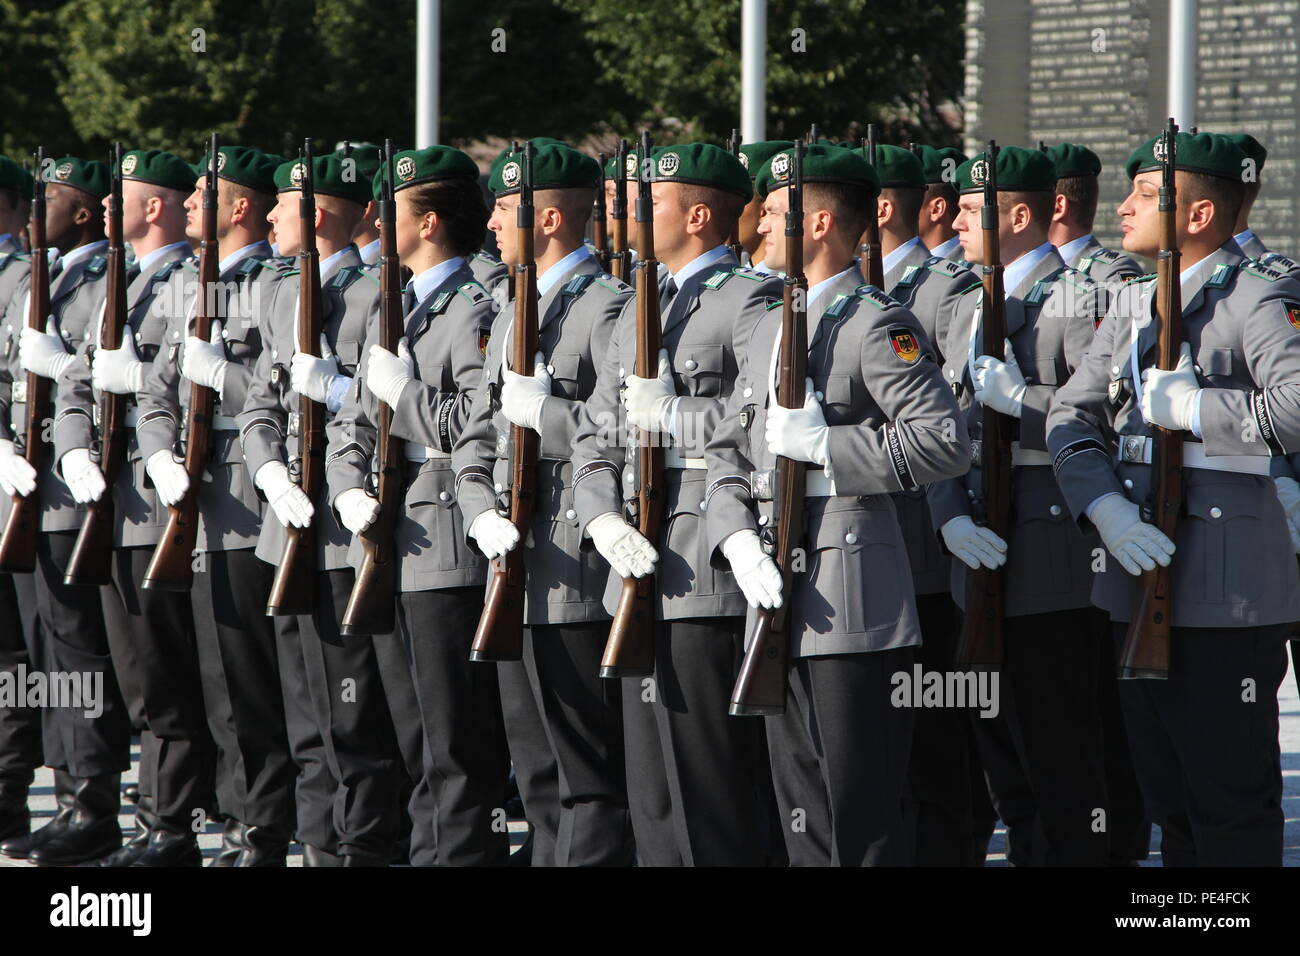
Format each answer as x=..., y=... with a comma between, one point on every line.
x=167, y=268
x=1219, y=277
x=617, y=286
x=578, y=284
x=96, y=265
x=1275, y=260
x=1101, y=255
x=1076, y=278
x=909, y=277
x=869, y=293
x=840, y=303
x=723, y=273
x=484, y=257
x=344, y=277
x=473, y=292
x=1255, y=267
x=772, y=303
x=945, y=267
x=1144, y=278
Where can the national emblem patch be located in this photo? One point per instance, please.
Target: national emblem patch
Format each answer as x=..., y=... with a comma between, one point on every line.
x=904, y=343
x=1292, y=313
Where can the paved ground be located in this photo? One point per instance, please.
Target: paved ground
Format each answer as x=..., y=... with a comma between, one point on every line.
x=43, y=799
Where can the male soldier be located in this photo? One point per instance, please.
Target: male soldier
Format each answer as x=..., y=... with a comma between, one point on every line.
x=679, y=738
x=876, y=419
x=1077, y=169
x=753, y=156
x=561, y=692
x=88, y=752
x=1049, y=713
x=939, y=207
x=440, y=222
x=1206, y=751
x=937, y=814
x=366, y=162
x=236, y=641
x=629, y=173
x=150, y=632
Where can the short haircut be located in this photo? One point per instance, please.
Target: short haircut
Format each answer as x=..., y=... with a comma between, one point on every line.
x=574, y=204
x=1226, y=195
x=1082, y=192
x=346, y=211
x=907, y=200
x=1252, y=192
x=459, y=204
x=1041, y=203
x=259, y=203
x=10, y=200
x=850, y=205
x=946, y=192
x=724, y=207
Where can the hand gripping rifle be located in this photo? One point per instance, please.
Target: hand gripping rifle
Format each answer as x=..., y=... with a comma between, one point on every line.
x=979, y=646
x=1146, y=646
x=91, y=559
x=620, y=258
x=760, y=686
x=630, y=648
x=373, y=602
x=500, y=633
x=598, y=237
x=18, y=541
x=293, y=588
x=873, y=263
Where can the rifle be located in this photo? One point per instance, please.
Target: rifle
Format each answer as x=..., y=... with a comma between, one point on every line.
x=1146, y=646
x=171, y=568
x=500, y=632
x=760, y=686
x=372, y=604
x=91, y=559
x=733, y=241
x=18, y=541
x=619, y=259
x=873, y=267
x=598, y=237
x=293, y=588
x=979, y=646
x=630, y=649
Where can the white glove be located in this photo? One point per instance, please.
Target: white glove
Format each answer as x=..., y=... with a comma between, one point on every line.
x=522, y=396
x=170, y=479
x=1000, y=385
x=119, y=371
x=82, y=476
x=648, y=400
x=357, y=510
x=495, y=535
x=205, y=363
x=756, y=573
x=625, y=548
x=799, y=433
x=43, y=352
x=289, y=502
x=976, y=546
x=1137, y=545
x=389, y=374
x=1169, y=399
x=314, y=377
x=17, y=476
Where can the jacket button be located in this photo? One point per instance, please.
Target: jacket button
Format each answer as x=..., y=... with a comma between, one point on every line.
x=1114, y=370
x=444, y=496
x=851, y=538
x=690, y=365
x=1055, y=510
x=1128, y=483
x=1216, y=512
x=762, y=520
x=550, y=370
x=703, y=505
x=629, y=476
x=748, y=392
x=570, y=515
x=499, y=488
x=275, y=353
x=952, y=373
x=818, y=395
x=622, y=372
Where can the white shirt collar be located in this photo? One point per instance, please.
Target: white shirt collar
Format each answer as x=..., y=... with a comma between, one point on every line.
x=149, y=258
x=1189, y=274
x=1072, y=248
x=947, y=249
x=697, y=264
x=371, y=247
x=427, y=281
x=7, y=235
x=1015, y=273
x=764, y=268
x=562, y=270
x=1244, y=236
x=330, y=264
x=815, y=292
x=240, y=254
x=83, y=252
x=897, y=255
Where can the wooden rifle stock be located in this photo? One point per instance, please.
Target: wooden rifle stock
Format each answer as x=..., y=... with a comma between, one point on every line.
x=619, y=259
x=18, y=541
x=761, y=684
x=873, y=261
x=630, y=648
x=979, y=645
x=500, y=632
x=1145, y=653
x=372, y=605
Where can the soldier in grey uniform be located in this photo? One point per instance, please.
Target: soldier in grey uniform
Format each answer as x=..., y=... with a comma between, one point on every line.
x=256, y=773
x=1250, y=244
x=678, y=737
x=440, y=222
x=150, y=632
x=558, y=688
x=876, y=419
x=1049, y=711
x=939, y=207
x=1077, y=169
x=1204, y=740
x=753, y=156
x=88, y=753
x=365, y=237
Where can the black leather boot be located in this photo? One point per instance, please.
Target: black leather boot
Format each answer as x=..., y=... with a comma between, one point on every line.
x=20, y=847
x=138, y=842
x=264, y=846
x=232, y=844
x=355, y=856
x=15, y=818
x=171, y=845
x=313, y=856
x=92, y=830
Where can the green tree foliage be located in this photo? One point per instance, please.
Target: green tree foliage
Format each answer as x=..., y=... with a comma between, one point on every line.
x=31, y=111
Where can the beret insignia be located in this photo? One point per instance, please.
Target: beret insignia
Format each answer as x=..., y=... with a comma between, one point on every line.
x=406, y=169
x=629, y=167
x=744, y=160
x=221, y=161
x=129, y=164
x=979, y=172
x=1158, y=150
x=510, y=174
x=668, y=164
x=904, y=344
x=63, y=171
x=297, y=173
x=781, y=165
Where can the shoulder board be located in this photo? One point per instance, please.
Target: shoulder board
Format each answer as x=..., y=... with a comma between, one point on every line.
x=96, y=265
x=251, y=267
x=440, y=302
x=971, y=288
x=166, y=269
x=613, y=285
x=1255, y=267
x=578, y=284
x=1101, y=255
x=191, y=265
x=836, y=308
x=1222, y=273
x=869, y=293
x=473, y=292
x=718, y=278
x=1076, y=278
x=772, y=303
x=484, y=257
x=910, y=276
x=344, y=277
x=1275, y=260
x=289, y=273
x=945, y=267
x=1135, y=279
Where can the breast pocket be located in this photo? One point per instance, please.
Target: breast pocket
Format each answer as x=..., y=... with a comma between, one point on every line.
x=701, y=369
x=1049, y=371
x=433, y=375
x=564, y=368
x=835, y=392
x=1040, y=544
x=1229, y=541
x=348, y=355
x=1215, y=364
x=855, y=581
x=431, y=527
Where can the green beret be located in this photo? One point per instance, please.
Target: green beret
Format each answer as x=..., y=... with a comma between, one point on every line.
x=940, y=165
x=1071, y=160
x=158, y=168
x=821, y=164
x=88, y=175
x=366, y=156
x=1019, y=170
x=555, y=166
x=494, y=171
x=1249, y=145
x=898, y=168
x=701, y=164
x=754, y=156
x=630, y=170
x=1206, y=153
x=329, y=177
x=245, y=166
x=415, y=167
x=12, y=176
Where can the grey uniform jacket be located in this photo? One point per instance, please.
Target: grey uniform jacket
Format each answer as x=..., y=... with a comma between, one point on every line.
x=139, y=517
x=929, y=287
x=1106, y=266
x=268, y=425
x=566, y=582
x=15, y=266
x=230, y=510
x=1050, y=321
x=76, y=295
x=448, y=332
x=1234, y=565
x=488, y=270
x=1253, y=248
x=894, y=425
x=706, y=329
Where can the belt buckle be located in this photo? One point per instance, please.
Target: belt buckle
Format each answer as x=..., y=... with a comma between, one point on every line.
x=18, y=396
x=1134, y=448
x=503, y=445
x=295, y=424
x=762, y=484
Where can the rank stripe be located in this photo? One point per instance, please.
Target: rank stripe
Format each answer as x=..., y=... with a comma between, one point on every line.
x=898, y=457
x=1264, y=421
x=1075, y=448
x=593, y=467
